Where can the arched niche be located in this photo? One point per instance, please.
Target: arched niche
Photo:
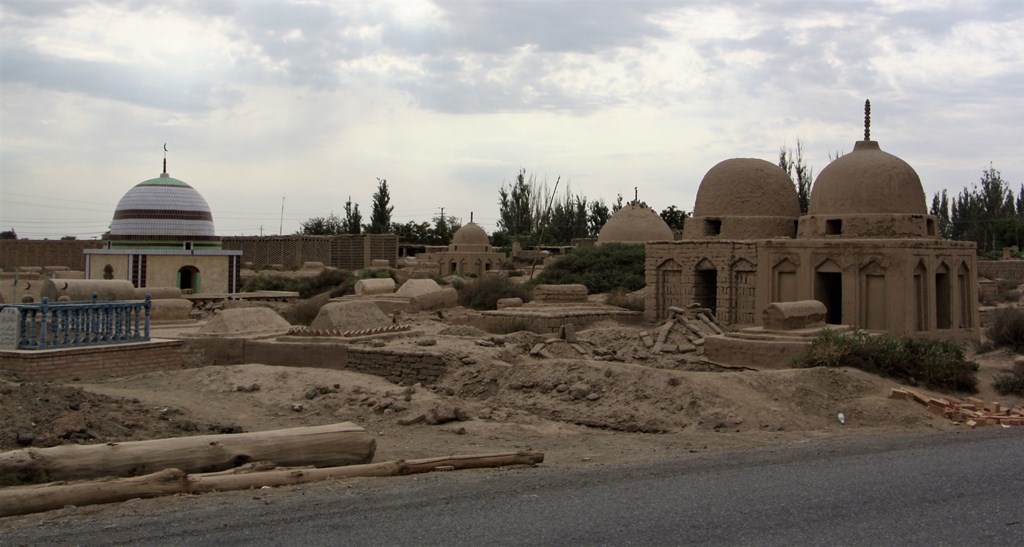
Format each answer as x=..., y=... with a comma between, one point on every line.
x=784, y=286
x=828, y=289
x=874, y=313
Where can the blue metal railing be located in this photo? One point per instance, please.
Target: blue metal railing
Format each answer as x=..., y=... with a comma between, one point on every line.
x=72, y=324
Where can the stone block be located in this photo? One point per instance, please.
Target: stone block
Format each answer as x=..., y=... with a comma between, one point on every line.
x=504, y=303
x=801, y=314
x=375, y=286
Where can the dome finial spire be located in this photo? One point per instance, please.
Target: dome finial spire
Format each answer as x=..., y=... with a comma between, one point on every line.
x=164, y=173
x=867, y=120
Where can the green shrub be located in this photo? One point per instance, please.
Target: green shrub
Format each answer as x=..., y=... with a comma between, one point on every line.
x=937, y=364
x=1011, y=383
x=1008, y=329
x=373, y=273
x=602, y=268
x=328, y=280
x=484, y=293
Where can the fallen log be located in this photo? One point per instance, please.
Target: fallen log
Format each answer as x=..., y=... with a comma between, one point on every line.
x=22, y=500
x=321, y=446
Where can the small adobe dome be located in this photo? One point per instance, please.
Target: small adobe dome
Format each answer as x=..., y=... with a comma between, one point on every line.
x=470, y=238
x=746, y=187
x=634, y=224
x=163, y=211
x=868, y=181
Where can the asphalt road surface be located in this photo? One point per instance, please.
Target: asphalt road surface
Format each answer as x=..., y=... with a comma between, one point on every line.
x=962, y=488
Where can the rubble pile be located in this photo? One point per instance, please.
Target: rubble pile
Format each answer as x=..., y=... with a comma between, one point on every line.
x=970, y=411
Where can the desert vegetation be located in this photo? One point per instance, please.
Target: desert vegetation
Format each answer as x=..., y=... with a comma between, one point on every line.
x=936, y=364
x=602, y=268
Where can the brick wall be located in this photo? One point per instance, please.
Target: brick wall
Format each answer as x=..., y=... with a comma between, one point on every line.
x=398, y=366
x=16, y=253
x=1012, y=270
x=348, y=252
x=93, y=362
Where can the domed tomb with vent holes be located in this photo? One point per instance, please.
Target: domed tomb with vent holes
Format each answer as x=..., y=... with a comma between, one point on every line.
x=162, y=235
x=866, y=248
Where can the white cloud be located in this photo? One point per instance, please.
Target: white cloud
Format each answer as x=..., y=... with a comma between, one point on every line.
x=313, y=100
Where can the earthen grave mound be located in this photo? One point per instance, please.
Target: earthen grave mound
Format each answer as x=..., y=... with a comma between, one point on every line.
x=350, y=315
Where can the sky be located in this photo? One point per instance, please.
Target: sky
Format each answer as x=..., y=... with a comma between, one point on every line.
x=277, y=112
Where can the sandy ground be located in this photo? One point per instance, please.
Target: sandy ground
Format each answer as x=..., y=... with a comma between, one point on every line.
x=628, y=405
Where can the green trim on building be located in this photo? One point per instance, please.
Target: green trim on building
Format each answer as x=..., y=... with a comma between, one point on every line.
x=164, y=181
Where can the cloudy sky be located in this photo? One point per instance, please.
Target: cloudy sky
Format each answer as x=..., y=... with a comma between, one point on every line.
x=312, y=101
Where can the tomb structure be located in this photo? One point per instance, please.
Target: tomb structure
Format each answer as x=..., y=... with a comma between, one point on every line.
x=470, y=253
x=866, y=248
x=162, y=235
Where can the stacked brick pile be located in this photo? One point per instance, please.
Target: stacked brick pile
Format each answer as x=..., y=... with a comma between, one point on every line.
x=970, y=411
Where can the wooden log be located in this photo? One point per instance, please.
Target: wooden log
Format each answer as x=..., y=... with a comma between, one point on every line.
x=707, y=320
x=321, y=446
x=22, y=500
x=663, y=332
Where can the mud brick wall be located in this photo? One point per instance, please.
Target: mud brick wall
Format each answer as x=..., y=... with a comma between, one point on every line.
x=348, y=252
x=398, y=366
x=15, y=253
x=1012, y=270
x=93, y=361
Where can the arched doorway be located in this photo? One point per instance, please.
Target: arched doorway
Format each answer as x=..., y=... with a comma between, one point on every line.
x=188, y=278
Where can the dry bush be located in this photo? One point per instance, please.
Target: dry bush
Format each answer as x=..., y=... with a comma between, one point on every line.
x=484, y=293
x=1012, y=382
x=937, y=364
x=1008, y=329
x=305, y=311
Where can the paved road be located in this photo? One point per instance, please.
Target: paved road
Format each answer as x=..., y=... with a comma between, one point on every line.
x=963, y=488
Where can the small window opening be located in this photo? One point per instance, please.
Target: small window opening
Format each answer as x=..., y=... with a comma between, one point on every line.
x=188, y=245
x=833, y=226
x=931, y=226
x=712, y=227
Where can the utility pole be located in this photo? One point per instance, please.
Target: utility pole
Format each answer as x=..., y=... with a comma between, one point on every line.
x=280, y=227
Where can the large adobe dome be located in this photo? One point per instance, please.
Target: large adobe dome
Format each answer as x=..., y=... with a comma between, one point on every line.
x=635, y=224
x=163, y=209
x=868, y=181
x=470, y=238
x=744, y=198
x=746, y=187
x=470, y=234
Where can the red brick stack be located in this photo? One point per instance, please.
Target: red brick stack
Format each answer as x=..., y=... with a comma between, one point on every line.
x=970, y=411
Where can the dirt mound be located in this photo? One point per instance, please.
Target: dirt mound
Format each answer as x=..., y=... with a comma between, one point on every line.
x=243, y=321
x=630, y=397
x=42, y=415
x=350, y=315
x=465, y=331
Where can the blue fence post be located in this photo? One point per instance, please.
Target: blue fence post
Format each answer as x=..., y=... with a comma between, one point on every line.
x=22, y=327
x=42, y=324
x=147, y=305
